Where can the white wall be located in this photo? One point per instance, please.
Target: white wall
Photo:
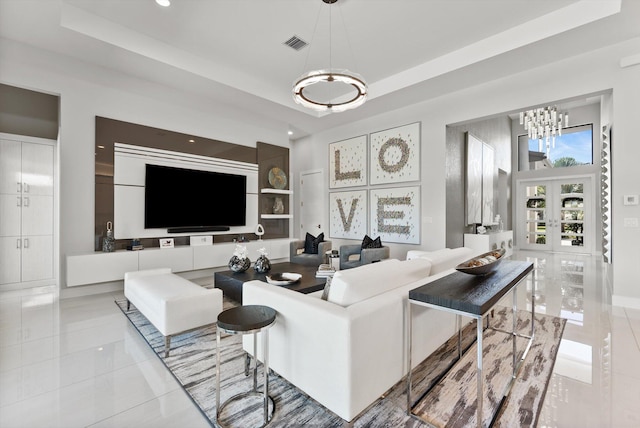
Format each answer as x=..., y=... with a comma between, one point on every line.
x=594, y=72
x=87, y=91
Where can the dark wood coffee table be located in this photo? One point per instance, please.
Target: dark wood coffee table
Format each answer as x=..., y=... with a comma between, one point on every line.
x=231, y=282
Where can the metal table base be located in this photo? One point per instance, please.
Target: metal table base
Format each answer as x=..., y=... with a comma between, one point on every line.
x=254, y=391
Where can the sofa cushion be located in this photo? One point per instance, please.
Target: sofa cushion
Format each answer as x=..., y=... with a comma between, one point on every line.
x=311, y=243
x=363, y=282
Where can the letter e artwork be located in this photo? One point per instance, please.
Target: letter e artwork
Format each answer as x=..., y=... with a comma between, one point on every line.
x=395, y=214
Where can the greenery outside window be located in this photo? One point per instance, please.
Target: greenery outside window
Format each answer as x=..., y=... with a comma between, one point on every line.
x=574, y=147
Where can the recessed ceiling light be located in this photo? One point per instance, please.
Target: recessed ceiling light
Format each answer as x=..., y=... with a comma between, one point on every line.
x=101, y=147
x=192, y=141
x=290, y=132
x=164, y=3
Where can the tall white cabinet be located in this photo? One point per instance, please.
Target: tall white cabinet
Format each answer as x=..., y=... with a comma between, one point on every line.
x=26, y=210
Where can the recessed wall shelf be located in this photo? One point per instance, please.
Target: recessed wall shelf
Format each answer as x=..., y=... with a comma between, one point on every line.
x=277, y=191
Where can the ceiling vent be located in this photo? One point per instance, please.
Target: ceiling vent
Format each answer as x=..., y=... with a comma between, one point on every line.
x=296, y=43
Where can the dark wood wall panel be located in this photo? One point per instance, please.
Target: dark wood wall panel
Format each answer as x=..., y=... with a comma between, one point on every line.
x=110, y=131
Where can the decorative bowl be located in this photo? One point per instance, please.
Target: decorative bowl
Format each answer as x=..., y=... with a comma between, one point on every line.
x=284, y=278
x=482, y=264
x=277, y=178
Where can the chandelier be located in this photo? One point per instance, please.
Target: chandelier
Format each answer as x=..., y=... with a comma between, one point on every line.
x=343, y=83
x=544, y=124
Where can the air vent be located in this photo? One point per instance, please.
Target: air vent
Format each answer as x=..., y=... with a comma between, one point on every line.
x=296, y=43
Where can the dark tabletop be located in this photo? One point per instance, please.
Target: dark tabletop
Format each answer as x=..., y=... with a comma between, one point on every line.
x=231, y=282
x=470, y=293
x=246, y=318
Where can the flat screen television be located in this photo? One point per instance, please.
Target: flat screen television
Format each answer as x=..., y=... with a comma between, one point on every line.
x=192, y=199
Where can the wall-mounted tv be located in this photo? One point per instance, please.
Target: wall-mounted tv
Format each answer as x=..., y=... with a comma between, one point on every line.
x=192, y=199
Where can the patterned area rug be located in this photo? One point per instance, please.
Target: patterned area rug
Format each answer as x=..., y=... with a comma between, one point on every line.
x=192, y=362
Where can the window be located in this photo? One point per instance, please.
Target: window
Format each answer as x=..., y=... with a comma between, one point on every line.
x=574, y=147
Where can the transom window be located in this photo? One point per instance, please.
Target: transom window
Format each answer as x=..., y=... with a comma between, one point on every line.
x=574, y=147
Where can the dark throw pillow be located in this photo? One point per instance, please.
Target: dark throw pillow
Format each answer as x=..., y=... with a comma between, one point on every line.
x=311, y=243
x=367, y=242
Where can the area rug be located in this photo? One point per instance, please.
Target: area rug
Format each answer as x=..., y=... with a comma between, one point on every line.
x=192, y=362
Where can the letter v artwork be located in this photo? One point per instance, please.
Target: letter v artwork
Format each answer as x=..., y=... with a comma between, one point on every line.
x=348, y=214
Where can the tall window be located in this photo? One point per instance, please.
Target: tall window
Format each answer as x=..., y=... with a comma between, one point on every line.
x=574, y=147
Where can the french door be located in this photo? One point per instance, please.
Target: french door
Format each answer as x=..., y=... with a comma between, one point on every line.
x=556, y=215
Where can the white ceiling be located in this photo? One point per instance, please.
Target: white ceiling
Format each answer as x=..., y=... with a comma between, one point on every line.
x=232, y=51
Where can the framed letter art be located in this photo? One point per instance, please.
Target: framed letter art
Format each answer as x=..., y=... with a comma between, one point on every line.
x=348, y=214
x=395, y=214
x=395, y=155
x=348, y=163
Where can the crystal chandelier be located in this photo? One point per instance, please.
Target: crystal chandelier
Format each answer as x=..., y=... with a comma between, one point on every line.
x=544, y=124
x=341, y=79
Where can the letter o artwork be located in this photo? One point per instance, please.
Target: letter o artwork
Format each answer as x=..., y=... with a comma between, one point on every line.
x=401, y=145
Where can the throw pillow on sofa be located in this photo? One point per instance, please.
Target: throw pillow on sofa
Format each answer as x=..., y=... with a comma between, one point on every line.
x=367, y=242
x=311, y=243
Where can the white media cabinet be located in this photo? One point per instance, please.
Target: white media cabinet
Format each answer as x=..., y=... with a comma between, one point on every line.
x=93, y=268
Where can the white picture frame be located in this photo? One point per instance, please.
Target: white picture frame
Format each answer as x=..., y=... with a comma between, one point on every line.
x=348, y=214
x=630, y=199
x=166, y=243
x=395, y=155
x=395, y=214
x=348, y=163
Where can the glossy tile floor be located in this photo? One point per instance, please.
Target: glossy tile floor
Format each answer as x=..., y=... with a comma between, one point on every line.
x=78, y=362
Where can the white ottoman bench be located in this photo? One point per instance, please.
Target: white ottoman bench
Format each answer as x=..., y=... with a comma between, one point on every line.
x=171, y=303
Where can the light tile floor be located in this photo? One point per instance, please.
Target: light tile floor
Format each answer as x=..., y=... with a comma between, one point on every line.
x=79, y=363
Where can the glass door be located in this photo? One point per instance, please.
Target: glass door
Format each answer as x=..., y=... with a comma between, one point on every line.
x=535, y=233
x=571, y=215
x=555, y=215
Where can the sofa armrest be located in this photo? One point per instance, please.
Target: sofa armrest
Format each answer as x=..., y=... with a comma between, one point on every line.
x=323, y=247
x=370, y=255
x=294, y=246
x=347, y=251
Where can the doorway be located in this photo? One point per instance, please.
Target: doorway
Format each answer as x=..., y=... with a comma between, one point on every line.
x=312, y=205
x=556, y=215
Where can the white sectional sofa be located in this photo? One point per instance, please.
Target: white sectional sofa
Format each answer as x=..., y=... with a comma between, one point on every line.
x=346, y=351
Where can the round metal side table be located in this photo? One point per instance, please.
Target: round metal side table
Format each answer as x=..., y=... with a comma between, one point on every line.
x=246, y=320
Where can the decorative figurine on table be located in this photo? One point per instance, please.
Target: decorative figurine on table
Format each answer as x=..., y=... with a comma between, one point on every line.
x=262, y=264
x=259, y=231
x=239, y=262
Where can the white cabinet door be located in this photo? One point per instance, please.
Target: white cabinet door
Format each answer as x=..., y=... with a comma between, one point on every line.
x=37, y=215
x=10, y=248
x=10, y=209
x=26, y=211
x=10, y=176
x=37, y=258
x=37, y=169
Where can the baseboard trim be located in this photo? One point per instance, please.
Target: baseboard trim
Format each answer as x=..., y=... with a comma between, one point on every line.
x=89, y=290
x=624, y=301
